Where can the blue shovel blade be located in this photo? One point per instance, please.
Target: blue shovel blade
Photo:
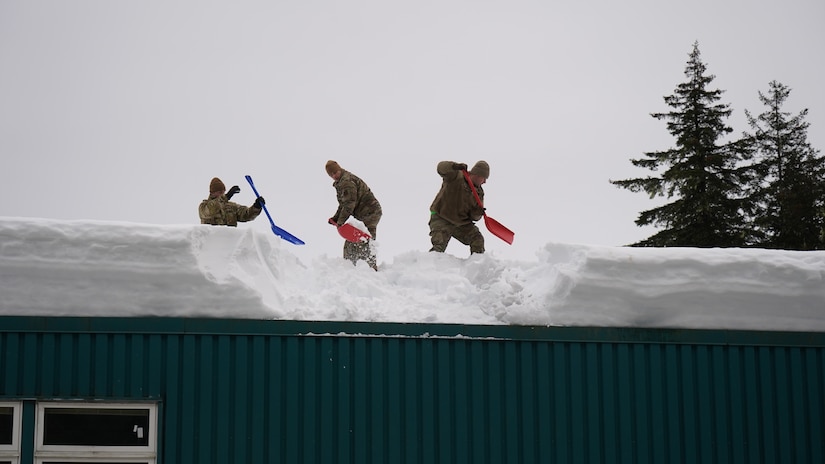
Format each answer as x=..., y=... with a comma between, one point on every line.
x=275, y=229
x=286, y=235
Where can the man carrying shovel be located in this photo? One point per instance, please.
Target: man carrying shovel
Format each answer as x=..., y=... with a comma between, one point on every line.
x=455, y=208
x=357, y=200
x=219, y=211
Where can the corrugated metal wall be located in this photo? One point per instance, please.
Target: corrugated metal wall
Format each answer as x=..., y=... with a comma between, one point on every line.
x=269, y=391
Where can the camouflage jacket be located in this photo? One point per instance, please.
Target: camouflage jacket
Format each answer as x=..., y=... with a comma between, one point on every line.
x=455, y=201
x=354, y=199
x=219, y=211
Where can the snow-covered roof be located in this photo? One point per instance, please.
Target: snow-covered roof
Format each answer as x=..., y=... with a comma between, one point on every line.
x=93, y=268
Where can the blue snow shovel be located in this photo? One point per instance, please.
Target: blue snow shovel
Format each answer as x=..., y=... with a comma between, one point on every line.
x=275, y=229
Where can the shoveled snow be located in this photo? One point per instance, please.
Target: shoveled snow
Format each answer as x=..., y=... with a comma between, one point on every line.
x=93, y=268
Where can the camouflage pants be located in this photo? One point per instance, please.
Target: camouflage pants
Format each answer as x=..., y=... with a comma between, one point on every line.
x=360, y=251
x=442, y=230
x=364, y=250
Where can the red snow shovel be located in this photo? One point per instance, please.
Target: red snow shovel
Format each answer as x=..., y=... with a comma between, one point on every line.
x=351, y=233
x=496, y=228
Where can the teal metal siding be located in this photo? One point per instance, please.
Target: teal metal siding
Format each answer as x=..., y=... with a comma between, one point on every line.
x=279, y=391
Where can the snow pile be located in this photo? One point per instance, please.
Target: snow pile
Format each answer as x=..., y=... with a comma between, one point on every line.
x=93, y=268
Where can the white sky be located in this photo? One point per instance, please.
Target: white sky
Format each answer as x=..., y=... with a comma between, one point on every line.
x=118, y=269
x=125, y=110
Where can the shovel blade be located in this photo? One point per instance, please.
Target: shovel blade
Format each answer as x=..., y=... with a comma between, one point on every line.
x=498, y=229
x=286, y=235
x=275, y=229
x=353, y=234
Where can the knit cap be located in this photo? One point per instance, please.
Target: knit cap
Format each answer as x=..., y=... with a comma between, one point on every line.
x=332, y=167
x=216, y=185
x=481, y=169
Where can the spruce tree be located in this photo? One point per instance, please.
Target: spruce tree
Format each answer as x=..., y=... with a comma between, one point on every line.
x=790, y=176
x=701, y=173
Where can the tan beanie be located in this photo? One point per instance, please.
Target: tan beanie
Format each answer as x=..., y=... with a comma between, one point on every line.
x=216, y=186
x=481, y=169
x=332, y=167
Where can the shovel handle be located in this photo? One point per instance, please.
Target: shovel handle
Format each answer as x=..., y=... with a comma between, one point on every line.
x=473, y=188
x=495, y=227
x=275, y=229
x=252, y=184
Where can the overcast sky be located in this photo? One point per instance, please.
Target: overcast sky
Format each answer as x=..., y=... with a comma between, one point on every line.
x=124, y=111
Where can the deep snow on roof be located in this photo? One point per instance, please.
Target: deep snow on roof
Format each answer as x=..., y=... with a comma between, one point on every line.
x=93, y=268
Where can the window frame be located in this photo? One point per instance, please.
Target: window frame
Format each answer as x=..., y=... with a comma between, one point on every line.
x=11, y=453
x=89, y=453
x=112, y=459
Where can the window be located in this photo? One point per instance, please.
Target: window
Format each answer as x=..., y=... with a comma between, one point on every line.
x=9, y=433
x=96, y=433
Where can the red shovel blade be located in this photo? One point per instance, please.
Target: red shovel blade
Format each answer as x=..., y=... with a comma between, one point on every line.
x=497, y=229
x=353, y=234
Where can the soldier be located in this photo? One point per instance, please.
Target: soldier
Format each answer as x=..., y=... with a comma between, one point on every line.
x=455, y=209
x=219, y=211
x=357, y=200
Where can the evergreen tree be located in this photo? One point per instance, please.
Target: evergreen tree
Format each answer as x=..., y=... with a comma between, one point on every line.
x=789, y=185
x=700, y=172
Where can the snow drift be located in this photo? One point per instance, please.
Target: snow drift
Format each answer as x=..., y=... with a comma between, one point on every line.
x=93, y=268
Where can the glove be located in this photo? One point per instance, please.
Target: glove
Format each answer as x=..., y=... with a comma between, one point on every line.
x=460, y=166
x=259, y=203
x=235, y=189
x=332, y=221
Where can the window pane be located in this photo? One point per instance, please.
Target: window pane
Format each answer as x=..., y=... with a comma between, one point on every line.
x=96, y=427
x=6, y=425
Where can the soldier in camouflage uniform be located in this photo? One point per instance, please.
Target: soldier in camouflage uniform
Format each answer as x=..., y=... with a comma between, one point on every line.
x=357, y=200
x=219, y=211
x=455, y=209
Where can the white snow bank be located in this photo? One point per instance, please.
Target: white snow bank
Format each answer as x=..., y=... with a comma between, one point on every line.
x=93, y=268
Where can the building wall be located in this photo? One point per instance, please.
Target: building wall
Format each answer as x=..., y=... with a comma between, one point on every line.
x=244, y=391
